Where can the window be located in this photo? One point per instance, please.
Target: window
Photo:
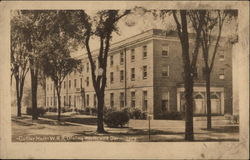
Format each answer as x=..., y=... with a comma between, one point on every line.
x=221, y=56
x=145, y=100
x=87, y=67
x=69, y=101
x=80, y=82
x=132, y=74
x=87, y=99
x=47, y=87
x=64, y=84
x=47, y=101
x=165, y=102
x=144, y=73
x=111, y=60
x=144, y=52
x=122, y=100
x=121, y=75
x=64, y=102
x=51, y=101
x=165, y=50
x=95, y=100
x=132, y=55
x=111, y=77
x=74, y=101
x=69, y=83
x=111, y=100
x=121, y=57
x=195, y=74
x=74, y=72
x=133, y=99
x=87, y=81
x=165, y=71
x=55, y=101
x=222, y=73
x=75, y=83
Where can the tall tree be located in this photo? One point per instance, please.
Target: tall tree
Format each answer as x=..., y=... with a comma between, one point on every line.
x=19, y=57
x=102, y=25
x=211, y=36
x=189, y=61
x=57, y=63
x=36, y=27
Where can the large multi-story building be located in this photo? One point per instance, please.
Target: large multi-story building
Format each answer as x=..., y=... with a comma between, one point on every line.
x=146, y=71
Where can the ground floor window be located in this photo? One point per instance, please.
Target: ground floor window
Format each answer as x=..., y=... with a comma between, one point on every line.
x=145, y=101
x=133, y=99
x=111, y=100
x=122, y=100
x=165, y=102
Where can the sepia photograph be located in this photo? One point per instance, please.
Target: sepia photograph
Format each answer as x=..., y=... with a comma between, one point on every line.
x=135, y=74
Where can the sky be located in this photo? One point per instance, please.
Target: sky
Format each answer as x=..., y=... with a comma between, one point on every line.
x=140, y=23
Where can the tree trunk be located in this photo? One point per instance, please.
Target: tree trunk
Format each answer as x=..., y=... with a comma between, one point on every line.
x=100, y=126
x=34, y=94
x=59, y=105
x=189, y=135
x=209, y=122
x=18, y=101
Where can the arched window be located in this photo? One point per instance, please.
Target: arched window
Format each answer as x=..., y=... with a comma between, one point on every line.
x=198, y=96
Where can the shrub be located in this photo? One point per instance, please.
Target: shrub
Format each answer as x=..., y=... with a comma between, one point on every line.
x=87, y=110
x=40, y=111
x=29, y=111
x=93, y=111
x=171, y=116
x=116, y=118
x=143, y=115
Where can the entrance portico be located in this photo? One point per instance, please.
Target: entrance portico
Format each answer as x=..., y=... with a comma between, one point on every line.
x=199, y=94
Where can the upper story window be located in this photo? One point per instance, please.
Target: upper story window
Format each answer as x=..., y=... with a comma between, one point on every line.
x=111, y=60
x=111, y=100
x=80, y=82
x=132, y=55
x=87, y=81
x=222, y=73
x=221, y=56
x=87, y=67
x=74, y=72
x=69, y=83
x=64, y=84
x=165, y=50
x=121, y=75
x=165, y=71
x=111, y=77
x=144, y=52
x=132, y=74
x=121, y=57
x=145, y=72
x=75, y=83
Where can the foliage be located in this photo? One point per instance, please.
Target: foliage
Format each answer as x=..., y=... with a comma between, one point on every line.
x=116, y=118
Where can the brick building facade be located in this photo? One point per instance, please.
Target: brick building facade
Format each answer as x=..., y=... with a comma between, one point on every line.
x=145, y=71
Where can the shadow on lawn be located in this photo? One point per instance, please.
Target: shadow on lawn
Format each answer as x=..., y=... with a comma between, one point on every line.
x=129, y=132
x=224, y=129
x=80, y=120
